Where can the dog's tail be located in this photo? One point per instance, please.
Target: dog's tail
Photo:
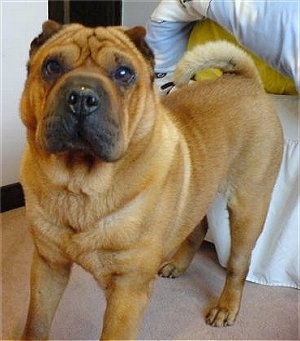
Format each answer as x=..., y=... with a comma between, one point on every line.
x=219, y=55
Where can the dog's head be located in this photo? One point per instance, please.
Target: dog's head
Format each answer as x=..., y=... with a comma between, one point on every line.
x=84, y=89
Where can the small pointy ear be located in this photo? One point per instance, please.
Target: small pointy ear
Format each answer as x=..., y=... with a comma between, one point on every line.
x=49, y=27
x=137, y=36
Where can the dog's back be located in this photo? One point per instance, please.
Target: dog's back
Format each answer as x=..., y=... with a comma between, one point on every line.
x=228, y=112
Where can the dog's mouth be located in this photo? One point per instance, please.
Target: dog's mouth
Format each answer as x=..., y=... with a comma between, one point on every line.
x=81, y=120
x=64, y=134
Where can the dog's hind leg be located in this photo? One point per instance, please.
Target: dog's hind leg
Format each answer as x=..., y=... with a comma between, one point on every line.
x=247, y=212
x=184, y=255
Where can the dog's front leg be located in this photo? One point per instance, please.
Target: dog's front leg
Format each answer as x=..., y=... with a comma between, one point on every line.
x=48, y=281
x=127, y=298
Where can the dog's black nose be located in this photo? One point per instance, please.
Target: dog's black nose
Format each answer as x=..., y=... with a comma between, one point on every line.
x=83, y=101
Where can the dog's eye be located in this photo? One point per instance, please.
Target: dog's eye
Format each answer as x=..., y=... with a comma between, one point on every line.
x=52, y=68
x=124, y=75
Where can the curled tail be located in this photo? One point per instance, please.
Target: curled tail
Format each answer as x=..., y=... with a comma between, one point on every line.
x=219, y=55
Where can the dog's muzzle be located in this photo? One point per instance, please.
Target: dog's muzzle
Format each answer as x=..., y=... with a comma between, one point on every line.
x=80, y=119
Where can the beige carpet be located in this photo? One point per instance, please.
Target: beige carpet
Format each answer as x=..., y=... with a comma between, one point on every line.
x=177, y=306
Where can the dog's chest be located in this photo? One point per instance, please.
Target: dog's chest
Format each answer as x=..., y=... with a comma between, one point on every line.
x=76, y=211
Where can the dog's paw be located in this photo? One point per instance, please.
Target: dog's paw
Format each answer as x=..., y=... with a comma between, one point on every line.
x=170, y=270
x=221, y=317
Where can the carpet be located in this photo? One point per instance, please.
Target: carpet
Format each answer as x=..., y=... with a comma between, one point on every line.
x=176, y=310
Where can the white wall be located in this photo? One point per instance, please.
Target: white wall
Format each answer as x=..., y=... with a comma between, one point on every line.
x=136, y=12
x=20, y=23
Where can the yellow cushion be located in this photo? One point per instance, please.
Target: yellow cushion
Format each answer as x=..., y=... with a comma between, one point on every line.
x=274, y=82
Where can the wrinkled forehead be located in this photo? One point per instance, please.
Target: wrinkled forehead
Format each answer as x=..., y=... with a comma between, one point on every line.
x=101, y=44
